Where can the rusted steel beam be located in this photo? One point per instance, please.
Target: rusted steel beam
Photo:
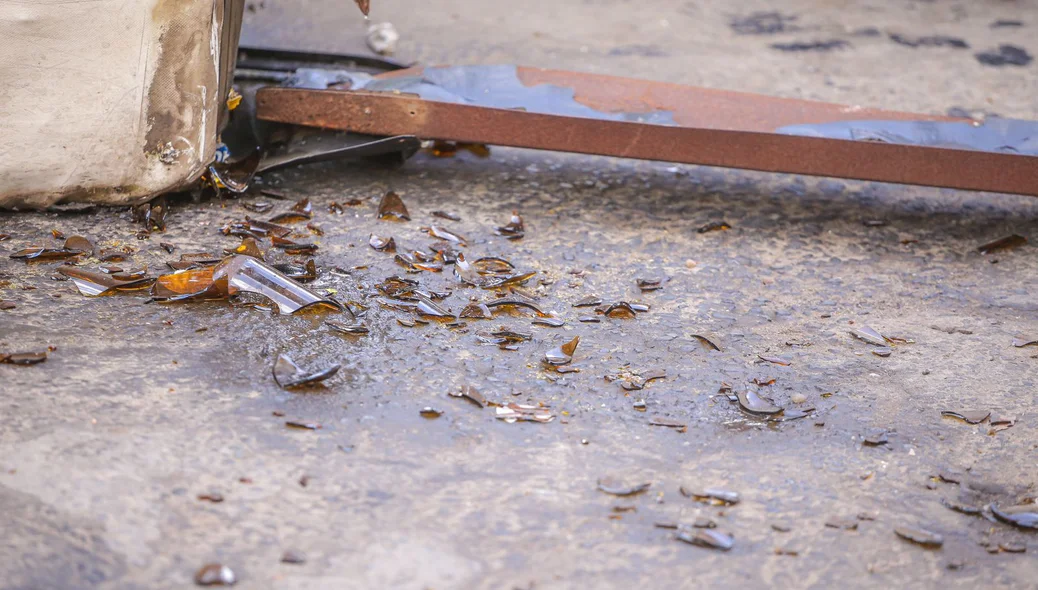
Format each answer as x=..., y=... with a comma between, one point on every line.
x=591, y=114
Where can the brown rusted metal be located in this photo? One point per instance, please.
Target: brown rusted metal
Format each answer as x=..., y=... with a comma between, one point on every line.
x=714, y=128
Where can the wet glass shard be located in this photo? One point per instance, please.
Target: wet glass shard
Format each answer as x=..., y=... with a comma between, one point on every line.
x=443, y=233
x=298, y=272
x=589, y=301
x=258, y=206
x=715, y=226
x=93, y=284
x=248, y=247
x=493, y=265
x=428, y=307
x=515, y=302
x=80, y=244
x=37, y=253
x=476, y=311
x=709, y=538
x=22, y=358
x=472, y=394
x=714, y=497
x=293, y=248
x=919, y=536
x=875, y=437
x=616, y=487
x=666, y=422
x=621, y=310
x=498, y=282
x=551, y=322
x=514, y=229
x=1021, y=342
x=236, y=176
x=287, y=374
x=382, y=244
x=240, y=274
x=960, y=507
x=214, y=574
x=354, y=329
x=753, y=403
x=869, y=335
x=446, y=215
x=967, y=416
x=706, y=342
x=392, y=208
x=398, y=287
x=649, y=284
x=562, y=355
x=777, y=360
x=846, y=524
x=430, y=412
x=1007, y=243
x=523, y=413
x=1024, y=516
x=302, y=210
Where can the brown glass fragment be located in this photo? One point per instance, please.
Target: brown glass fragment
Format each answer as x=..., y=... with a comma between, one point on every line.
x=392, y=208
x=551, y=322
x=428, y=412
x=236, y=176
x=382, y=244
x=476, y=311
x=215, y=574
x=214, y=497
x=428, y=307
x=589, y=301
x=258, y=206
x=364, y=6
x=621, y=310
x=93, y=284
x=777, y=360
x=1007, y=243
x=523, y=413
x=715, y=226
x=353, y=329
x=967, y=416
x=446, y=215
x=37, y=253
x=706, y=342
x=649, y=284
x=875, y=437
x=302, y=425
x=472, y=394
x=22, y=358
x=562, y=355
x=293, y=557
x=666, y=422
x=514, y=229
x=443, y=233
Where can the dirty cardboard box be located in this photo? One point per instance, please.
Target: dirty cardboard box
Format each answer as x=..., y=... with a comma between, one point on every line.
x=111, y=101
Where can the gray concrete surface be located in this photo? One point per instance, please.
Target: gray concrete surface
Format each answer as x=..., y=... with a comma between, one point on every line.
x=105, y=447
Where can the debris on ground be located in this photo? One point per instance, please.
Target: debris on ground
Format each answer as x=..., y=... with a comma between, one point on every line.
x=392, y=208
x=1024, y=516
x=288, y=375
x=472, y=394
x=967, y=416
x=513, y=412
x=514, y=229
x=1002, y=244
x=293, y=557
x=215, y=574
x=715, y=497
x=715, y=226
x=22, y=358
x=616, y=487
x=563, y=354
x=921, y=537
x=709, y=538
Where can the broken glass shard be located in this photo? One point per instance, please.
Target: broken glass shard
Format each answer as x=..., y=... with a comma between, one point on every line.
x=382, y=244
x=93, y=284
x=706, y=342
x=392, y=208
x=429, y=412
x=777, y=360
x=514, y=229
x=709, y=538
x=616, y=487
x=477, y=311
x=1006, y=243
x=715, y=226
x=1021, y=342
x=620, y=309
x=22, y=358
x=589, y=301
x=258, y=206
x=869, y=335
x=354, y=329
x=666, y=422
x=446, y=215
x=919, y=536
x=236, y=176
x=515, y=302
x=523, y=413
x=960, y=507
x=562, y=355
x=288, y=374
x=428, y=307
x=472, y=394
x=715, y=497
x=753, y=403
x=1024, y=516
x=842, y=523
x=968, y=416
x=649, y=284
x=875, y=437
x=443, y=233
x=551, y=322
x=301, y=211
x=214, y=574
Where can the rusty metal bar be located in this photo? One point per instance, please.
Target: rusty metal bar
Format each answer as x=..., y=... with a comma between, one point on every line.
x=713, y=128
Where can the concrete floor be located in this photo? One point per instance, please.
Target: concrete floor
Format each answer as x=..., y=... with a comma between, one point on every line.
x=105, y=447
